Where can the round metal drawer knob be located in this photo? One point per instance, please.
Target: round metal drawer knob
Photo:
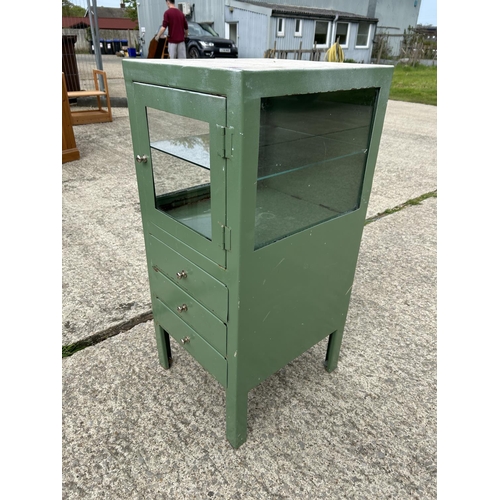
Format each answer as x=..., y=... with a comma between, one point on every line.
x=182, y=274
x=185, y=340
x=182, y=308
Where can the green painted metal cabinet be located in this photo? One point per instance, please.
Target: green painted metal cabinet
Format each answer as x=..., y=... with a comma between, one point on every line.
x=254, y=177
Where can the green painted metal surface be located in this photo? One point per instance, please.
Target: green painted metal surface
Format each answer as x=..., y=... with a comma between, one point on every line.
x=268, y=236
x=212, y=293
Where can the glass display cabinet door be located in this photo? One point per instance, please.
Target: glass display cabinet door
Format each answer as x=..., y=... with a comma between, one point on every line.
x=181, y=165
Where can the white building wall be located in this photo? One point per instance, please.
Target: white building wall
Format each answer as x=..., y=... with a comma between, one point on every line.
x=253, y=31
x=150, y=16
x=395, y=14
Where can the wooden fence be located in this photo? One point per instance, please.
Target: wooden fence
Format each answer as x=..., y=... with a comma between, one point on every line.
x=313, y=54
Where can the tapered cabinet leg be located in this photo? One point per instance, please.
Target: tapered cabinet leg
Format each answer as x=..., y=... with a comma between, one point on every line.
x=333, y=350
x=236, y=417
x=163, y=344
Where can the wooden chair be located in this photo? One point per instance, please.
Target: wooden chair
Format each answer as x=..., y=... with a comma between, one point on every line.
x=158, y=50
x=69, y=150
x=100, y=115
x=164, y=52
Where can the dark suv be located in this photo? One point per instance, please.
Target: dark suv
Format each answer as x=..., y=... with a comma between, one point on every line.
x=203, y=41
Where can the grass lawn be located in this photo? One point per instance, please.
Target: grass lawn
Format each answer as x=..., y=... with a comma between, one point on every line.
x=414, y=84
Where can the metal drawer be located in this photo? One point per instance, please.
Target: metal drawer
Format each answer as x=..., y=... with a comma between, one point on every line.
x=202, y=286
x=211, y=328
x=203, y=352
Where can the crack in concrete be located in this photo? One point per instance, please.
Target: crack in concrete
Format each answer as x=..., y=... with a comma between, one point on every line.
x=96, y=338
x=398, y=208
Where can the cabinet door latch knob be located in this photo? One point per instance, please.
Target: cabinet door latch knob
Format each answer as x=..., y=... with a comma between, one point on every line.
x=141, y=159
x=182, y=308
x=182, y=274
x=185, y=340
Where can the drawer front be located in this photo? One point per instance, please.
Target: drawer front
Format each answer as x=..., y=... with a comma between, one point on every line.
x=203, y=352
x=202, y=286
x=211, y=328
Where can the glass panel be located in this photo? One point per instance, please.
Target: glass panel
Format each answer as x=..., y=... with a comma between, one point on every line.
x=298, y=27
x=281, y=27
x=312, y=157
x=320, y=33
x=362, y=38
x=180, y=155
x=341, y=34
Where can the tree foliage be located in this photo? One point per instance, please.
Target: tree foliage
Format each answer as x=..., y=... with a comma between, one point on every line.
x=417, y=45
x=71, y=10
x=131, y=9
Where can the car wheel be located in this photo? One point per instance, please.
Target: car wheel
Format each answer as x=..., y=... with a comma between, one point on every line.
x=193, y=53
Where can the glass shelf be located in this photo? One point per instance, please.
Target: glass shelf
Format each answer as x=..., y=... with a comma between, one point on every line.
x=195, y=149
x=293, y=151
x=274, y=157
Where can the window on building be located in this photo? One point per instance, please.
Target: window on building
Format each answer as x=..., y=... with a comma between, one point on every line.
x=363, y=37
x=298, y=27
x=321, y=33
x=280, y=27
x=342, y=34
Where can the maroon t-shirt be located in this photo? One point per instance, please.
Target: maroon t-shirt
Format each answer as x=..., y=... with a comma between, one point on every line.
x=175, y=21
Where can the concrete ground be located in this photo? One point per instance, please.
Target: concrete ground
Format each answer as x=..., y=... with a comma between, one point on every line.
x=133, y=430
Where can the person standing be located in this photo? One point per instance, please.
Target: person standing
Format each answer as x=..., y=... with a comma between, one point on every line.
x=175, y=21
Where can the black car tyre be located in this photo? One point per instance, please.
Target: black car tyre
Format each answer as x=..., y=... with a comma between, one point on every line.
x=193, y=53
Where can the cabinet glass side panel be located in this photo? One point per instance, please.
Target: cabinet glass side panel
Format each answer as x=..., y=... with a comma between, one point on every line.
x=180, y=157
x=312, y=158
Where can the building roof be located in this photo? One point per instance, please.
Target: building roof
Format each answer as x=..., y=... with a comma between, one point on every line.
x=110, y=12
x=104, y=23
x=109, y=18
x=310, y=12
x=75, y=22
x=430, y=30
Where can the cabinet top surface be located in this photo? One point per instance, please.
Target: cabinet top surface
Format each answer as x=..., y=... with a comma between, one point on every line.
x=254, y=65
